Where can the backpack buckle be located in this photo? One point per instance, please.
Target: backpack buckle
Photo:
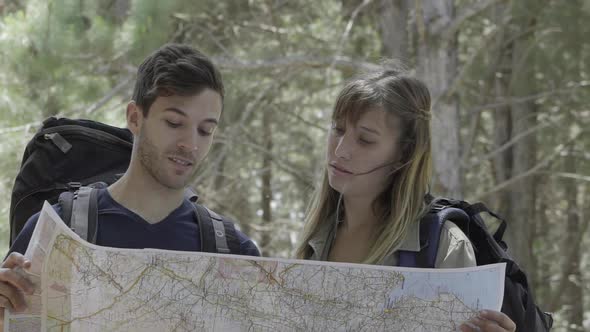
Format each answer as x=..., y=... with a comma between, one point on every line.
x=73, y=186
x=437, y=207
x=440, y=204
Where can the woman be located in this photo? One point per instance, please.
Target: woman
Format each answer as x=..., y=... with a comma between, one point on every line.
x=378, y=168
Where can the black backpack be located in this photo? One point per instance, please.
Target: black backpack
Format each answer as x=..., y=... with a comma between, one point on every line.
x=68, y=159
x=518, y=302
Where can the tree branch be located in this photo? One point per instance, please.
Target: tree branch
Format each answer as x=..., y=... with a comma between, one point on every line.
x=508, y=144
x=195, y=25
x=560, y=148
x=295, y=62
x=281, y=164
x=349, y=25
x=114, y=91
x=92, y=108
x=305, y=121
x=524, y=99
x=342, y=62
x=452, y=27
x=471, y=60
x=26, y=127
x=566, y=175
x=237, y=125
x=265, y=27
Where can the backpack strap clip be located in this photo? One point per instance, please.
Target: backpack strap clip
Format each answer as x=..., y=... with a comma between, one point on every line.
x=220, y=240
x=218, y=235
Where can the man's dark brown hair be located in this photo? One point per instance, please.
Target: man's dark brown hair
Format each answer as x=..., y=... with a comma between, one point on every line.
x=174, y=69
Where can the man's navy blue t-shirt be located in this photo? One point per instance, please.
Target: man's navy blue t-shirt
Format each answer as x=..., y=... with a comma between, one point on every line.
x=122, y=228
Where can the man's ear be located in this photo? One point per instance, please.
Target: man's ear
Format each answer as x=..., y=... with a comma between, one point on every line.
x=134, y=117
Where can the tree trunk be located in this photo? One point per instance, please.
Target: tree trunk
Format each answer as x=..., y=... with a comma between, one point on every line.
x=542, y=282
x=436, y=61
x=523, y=192
x=572, y=279
x=572, y=294
x=502, y=162
x=266, y=191
x=437, y=67
x=393, y=27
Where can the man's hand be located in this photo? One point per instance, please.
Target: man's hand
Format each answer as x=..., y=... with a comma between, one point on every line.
x=13, y=285
x=489, y=321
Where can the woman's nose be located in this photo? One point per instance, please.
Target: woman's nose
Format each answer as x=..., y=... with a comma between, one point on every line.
x=342, y=149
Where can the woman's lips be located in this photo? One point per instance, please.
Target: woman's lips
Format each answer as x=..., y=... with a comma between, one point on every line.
x=340, y=170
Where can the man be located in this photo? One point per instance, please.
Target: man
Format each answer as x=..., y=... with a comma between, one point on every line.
x=176, y=106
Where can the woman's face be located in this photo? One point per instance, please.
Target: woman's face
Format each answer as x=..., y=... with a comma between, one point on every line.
x=362, y=155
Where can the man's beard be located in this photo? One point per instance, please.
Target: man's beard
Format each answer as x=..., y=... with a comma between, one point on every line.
x=154, y=163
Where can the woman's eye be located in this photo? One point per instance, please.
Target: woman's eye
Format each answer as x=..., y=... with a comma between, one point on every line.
x=338, y=130
x=172, y=124
x=203, y=132
x=365, y=142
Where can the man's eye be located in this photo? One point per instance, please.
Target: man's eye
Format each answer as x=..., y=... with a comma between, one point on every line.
x=172, y=124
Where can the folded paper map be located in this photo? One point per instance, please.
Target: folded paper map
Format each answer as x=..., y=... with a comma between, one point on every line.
x=84, y=287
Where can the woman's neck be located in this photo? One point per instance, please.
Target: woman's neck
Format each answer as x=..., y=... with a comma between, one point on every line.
x=359, y=213
x=356, y=234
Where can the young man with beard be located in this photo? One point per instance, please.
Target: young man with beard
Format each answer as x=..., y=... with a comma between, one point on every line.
x=176, y=106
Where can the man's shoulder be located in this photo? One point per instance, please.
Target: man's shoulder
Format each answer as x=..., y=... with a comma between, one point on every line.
x=21, y=242
x=245, y=244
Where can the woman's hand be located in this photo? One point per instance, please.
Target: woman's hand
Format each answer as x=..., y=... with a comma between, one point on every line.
x=489, y=321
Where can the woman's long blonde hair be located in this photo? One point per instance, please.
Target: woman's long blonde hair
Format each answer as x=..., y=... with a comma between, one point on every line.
x=402, y=203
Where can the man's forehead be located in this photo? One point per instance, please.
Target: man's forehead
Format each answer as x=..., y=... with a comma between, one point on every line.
x=175, y=110
x=202, y=105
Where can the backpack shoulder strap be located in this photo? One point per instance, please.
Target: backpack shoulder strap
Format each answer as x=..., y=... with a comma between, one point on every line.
x=217, y=234
x=430, y=228
x=477, y=208
x=231, y=236
x=65, y=201
x=80, y=212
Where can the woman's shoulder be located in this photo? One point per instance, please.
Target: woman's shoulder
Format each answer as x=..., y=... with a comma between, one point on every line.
x=454, y=248
x=455, y=234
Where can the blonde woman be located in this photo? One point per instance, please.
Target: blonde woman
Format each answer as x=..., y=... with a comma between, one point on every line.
x=378, y=167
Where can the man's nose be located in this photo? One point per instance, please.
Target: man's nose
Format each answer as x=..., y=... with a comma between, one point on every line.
x=189, y=140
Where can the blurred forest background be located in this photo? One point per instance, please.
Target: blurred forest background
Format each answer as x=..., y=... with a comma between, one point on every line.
x=510, y=82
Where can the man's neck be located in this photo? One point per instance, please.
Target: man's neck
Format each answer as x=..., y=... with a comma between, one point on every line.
x=142, y=194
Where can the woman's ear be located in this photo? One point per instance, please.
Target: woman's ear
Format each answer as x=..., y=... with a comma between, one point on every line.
x=134, y=117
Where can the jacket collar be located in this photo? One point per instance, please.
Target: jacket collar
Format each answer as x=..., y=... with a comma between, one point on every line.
x=322, y=240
